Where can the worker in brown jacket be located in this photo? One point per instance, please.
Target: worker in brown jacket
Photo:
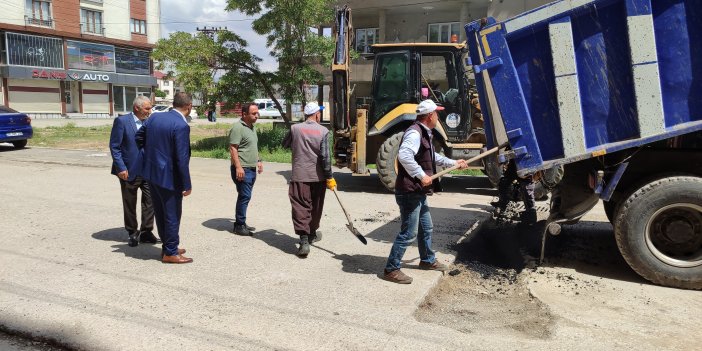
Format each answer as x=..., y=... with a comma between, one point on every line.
x=311, y=171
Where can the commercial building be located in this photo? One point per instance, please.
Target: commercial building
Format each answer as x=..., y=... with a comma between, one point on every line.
x=76, y=57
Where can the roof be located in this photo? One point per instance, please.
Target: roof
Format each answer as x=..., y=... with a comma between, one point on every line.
x=159, y=75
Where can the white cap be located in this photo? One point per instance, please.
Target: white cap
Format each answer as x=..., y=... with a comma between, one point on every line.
x=427, y=106
x=312, y=108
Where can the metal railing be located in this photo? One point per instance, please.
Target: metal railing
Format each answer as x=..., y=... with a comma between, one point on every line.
x=38, y=21
x=85, y=29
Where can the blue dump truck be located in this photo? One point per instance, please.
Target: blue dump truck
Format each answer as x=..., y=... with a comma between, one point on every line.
x=607, y=95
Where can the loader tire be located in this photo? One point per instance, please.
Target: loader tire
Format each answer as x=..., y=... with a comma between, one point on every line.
x=659, y=231
x=386, y=161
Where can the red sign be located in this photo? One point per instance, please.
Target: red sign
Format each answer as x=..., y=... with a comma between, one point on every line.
x=44, y=74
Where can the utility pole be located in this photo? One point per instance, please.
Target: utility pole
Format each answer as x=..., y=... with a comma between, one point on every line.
x=210, y=32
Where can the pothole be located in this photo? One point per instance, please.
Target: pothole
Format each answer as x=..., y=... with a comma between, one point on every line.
x=486, y=292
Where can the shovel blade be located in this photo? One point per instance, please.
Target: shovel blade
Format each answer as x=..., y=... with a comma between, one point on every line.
x=357, y=234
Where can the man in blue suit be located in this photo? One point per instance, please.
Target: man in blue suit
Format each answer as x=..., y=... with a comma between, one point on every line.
x=165, y=138
x=127, y=166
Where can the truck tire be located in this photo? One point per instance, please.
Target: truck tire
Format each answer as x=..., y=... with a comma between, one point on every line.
x=659, y=231
x=386, y=161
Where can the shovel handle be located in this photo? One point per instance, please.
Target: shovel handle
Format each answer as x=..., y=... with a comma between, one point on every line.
x=348, y=218
x=469, y=161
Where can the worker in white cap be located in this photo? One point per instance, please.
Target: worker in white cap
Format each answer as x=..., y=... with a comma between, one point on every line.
x=418, y=161
x=311, y=172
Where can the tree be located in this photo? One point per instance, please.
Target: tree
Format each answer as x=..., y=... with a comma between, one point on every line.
x=223, y=69
x=160, y=93
x=288, y=26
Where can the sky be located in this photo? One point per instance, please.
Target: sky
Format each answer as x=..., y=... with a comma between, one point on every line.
x=187, y=15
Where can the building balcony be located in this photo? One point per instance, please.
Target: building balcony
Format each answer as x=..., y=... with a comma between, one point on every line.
x=38, y=21
x=92, y=29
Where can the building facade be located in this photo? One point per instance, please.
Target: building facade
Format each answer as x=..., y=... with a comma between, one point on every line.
x=76, y=57
x=165, y=85
x=402, y=21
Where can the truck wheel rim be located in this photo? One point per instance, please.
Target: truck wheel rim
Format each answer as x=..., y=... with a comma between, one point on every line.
x=674, y=235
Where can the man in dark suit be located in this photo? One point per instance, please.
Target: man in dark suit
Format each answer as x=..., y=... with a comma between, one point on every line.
x=127, y=166
x=165, y=138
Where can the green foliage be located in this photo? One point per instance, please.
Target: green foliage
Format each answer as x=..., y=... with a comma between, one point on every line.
x=160, y=93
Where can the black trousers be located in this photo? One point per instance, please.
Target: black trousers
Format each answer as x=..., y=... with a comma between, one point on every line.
x=307, y=202
x=129, y=202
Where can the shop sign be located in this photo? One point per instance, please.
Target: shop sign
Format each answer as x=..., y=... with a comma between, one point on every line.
x=132, y=61
x=48, y=74
x=90, y=56
x=32, y=50
x=90, y=77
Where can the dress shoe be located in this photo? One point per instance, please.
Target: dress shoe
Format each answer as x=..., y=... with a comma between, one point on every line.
x=242, y=230
x=133, y=239
x=148, y=237
x=180, y=252
x=176, y=259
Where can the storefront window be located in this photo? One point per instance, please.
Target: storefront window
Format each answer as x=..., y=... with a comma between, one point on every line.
x=90, y=57
x=31, y=50
x=118, y=96
x=124, y=97
x=132, y=61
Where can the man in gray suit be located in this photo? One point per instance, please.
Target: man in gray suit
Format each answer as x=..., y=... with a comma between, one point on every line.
x=127, y=166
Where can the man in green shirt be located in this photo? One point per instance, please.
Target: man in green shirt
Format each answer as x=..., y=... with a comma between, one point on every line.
x=243, y=149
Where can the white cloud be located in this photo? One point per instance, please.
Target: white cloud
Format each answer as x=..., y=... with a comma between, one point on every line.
x=201, y=13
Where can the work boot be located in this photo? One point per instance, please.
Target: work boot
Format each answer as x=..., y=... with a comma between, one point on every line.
x=397, y=276
x=317, y=236
x=434, y=266
x=251, y=229
x=304, y=249
x=528, y=217
x=241, y=229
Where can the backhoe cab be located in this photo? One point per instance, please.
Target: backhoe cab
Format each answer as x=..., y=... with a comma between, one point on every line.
x=403, y=75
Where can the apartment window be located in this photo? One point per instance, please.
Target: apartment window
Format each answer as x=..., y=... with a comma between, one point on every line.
x=166, y=83
x=442, y=32
x=91, y=21
x=38, y=12
x=138, y=26
x=365, y=37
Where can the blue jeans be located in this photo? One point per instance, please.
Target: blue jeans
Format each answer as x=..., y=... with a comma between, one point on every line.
x=416, y=220
x=244, y=188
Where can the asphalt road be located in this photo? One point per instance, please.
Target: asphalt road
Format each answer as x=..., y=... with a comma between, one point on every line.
x=67, y=274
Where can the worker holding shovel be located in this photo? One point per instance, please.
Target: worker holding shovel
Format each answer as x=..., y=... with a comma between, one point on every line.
x=418, y=161
x=311, y=172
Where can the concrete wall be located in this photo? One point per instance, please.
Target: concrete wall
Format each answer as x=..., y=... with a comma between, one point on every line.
x=502, y=10
x=35, y=101
x=153, y=14
x=12, y=11
x=96, y=98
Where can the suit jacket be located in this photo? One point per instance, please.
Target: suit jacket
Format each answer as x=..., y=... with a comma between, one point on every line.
x=165, y=138
x=126, y=156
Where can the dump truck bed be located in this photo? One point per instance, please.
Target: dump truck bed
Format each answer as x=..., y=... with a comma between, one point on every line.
x=576, y=79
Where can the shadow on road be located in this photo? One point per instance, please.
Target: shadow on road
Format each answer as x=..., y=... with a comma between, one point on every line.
x=119, y=235
x=359, y=264
x=280, y=241
x=5, y=147
x=219, y=224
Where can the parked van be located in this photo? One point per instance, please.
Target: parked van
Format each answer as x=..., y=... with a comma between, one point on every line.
x=266, y=108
